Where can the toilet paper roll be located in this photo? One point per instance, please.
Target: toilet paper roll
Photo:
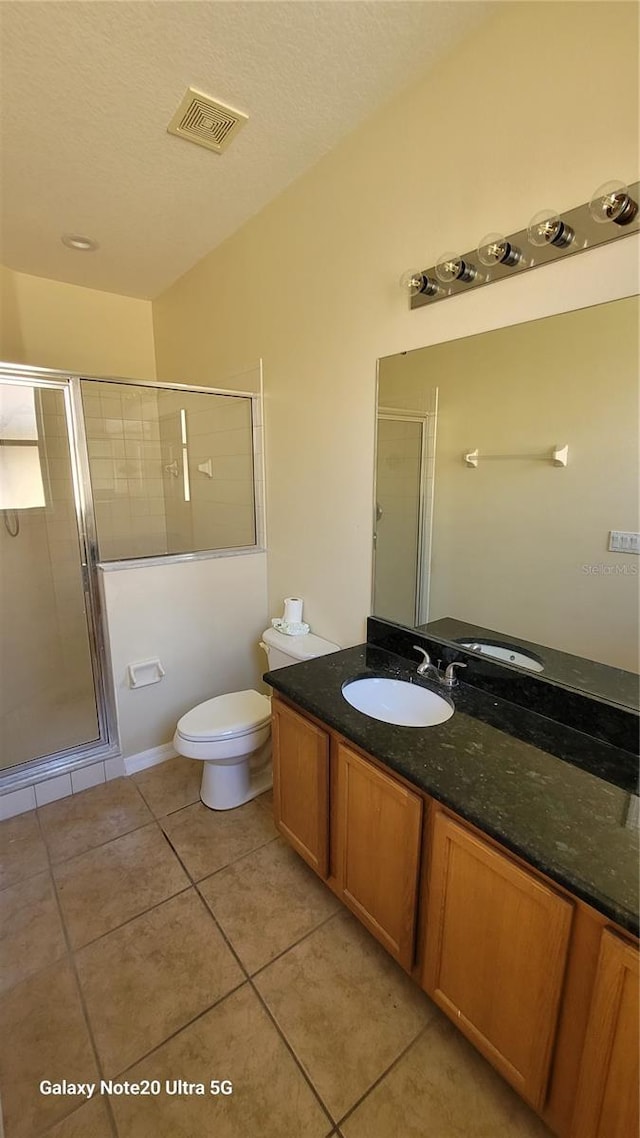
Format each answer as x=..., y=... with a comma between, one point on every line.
x=293, y=610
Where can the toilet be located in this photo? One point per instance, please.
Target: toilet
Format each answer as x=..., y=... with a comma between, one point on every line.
x=231, y=734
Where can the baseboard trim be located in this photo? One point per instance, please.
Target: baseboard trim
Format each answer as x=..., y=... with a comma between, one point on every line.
x=151, y=758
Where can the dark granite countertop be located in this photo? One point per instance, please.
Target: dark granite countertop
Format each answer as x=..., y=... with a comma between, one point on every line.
x=514, y=774
x=600, y=680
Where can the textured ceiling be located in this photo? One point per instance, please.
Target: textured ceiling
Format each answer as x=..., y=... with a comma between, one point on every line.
x=89, y=87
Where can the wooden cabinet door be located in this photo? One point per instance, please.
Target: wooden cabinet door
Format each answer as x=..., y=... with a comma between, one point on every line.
x=496, y=948
x=607, y=1100
x=378, y=842
x=301, y=785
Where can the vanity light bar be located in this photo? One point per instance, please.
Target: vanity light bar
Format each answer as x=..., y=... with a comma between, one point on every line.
x=612, y=212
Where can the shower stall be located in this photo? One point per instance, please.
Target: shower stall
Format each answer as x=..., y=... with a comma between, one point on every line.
x=97, y=475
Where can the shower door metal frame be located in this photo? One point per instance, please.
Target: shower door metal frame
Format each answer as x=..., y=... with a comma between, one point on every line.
x=393, y=414
x=260, y=525
x=107, y=745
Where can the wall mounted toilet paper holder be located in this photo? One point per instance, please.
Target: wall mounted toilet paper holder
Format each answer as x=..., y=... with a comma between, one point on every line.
x=145, y=672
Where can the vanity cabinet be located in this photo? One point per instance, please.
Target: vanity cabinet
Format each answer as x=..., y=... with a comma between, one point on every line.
x=301, y=785
x=536, y=979
x=607, y=1099
x=495, y=953
x=378, y=836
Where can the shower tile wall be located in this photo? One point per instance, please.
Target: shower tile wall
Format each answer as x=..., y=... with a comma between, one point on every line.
x=220, y=514
x=123, y=438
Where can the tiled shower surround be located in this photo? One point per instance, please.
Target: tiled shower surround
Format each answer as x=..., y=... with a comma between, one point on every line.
x=171, y=471
x=147, y=937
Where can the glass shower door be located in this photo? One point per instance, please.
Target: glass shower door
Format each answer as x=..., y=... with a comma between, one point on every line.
x=48, y=699
x=398, y=525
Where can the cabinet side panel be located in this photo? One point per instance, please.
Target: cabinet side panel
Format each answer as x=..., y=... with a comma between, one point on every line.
x=608, y=1092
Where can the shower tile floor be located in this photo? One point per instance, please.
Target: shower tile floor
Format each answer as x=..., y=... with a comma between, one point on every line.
x=145, y=937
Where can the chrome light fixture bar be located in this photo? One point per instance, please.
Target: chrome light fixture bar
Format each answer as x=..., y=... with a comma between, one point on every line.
x=612, y=213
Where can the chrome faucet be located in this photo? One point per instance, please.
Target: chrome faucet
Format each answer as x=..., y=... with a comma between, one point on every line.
x=426, y=668
x=450, y=680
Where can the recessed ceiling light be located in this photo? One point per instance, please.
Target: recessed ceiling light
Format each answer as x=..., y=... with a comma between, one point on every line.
x=75, y=241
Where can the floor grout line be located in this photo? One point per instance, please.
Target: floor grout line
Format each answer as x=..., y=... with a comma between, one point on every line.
x=170, y=813
x=298, y=1062
x=174, y=810
x=243, y=857
x=186, y=805
x=247, y=977
x=270, y=1016
x=206, y=876
x=294, y=944
x=383, y=1076
x=85, y=1013
x=71, y=953
x=98, y=846
x=191, y=884
x=89, y=944
x=178, y=1031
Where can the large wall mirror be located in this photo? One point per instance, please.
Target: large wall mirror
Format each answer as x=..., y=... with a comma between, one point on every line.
x=487, y=531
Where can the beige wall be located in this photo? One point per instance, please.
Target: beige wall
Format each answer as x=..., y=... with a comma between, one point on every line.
x=203, y=619
x=50, y=324
x=309, y=284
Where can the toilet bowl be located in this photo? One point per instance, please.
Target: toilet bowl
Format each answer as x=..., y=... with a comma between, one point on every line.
x=231, y=734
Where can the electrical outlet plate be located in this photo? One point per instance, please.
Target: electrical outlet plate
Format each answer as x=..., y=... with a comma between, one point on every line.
x=623, y=541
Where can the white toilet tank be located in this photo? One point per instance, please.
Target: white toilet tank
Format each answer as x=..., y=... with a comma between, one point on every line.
x=284, y=650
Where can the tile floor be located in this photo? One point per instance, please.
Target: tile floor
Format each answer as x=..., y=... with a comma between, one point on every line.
x=146, y=937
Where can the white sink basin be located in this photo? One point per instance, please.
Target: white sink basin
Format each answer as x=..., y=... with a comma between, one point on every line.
x=395, y=701
x=500, y=652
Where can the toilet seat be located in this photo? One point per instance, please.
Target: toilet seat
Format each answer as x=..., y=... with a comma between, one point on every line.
x=225, y=717
x=230, y=734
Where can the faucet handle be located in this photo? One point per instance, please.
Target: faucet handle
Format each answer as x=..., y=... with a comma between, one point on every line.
x=427, y=658
x=450, y=676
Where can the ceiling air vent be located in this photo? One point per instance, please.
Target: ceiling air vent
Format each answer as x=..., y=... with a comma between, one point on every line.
x=202, y=120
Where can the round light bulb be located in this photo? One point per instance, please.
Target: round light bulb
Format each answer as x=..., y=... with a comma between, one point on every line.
x=612, y=202
x=411, y=282
x=494, y=249
x=451, y=267
x=414, y=281
x=547, y=228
